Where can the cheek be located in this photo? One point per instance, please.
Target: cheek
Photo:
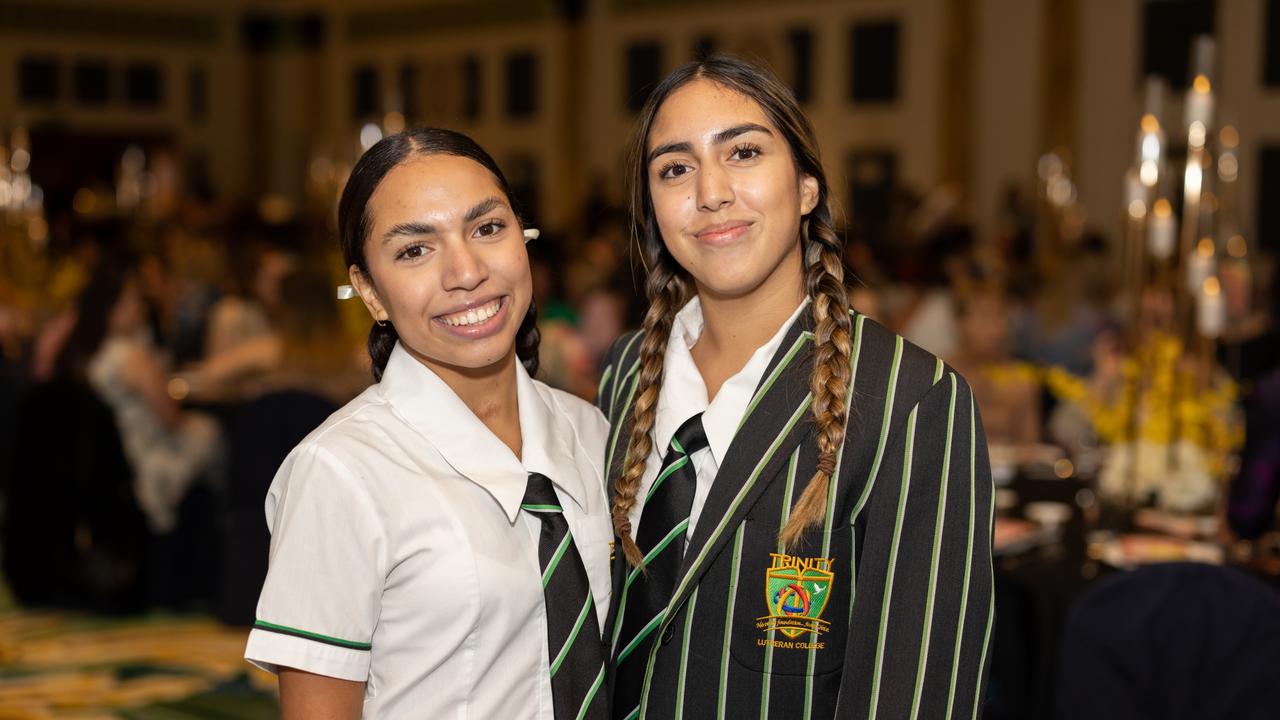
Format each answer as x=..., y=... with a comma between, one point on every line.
x=671, y=208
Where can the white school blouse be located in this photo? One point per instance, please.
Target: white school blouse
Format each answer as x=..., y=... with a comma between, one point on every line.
x=400, y=557
x=684, y=394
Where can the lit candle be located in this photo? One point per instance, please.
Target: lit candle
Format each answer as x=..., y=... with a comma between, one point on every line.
x=1161, y=231
x=1211, y=312
x=1199, y=107
x=1200, y=264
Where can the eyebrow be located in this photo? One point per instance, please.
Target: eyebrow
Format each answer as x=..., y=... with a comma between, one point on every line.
x=719, y=138
x=415, y=228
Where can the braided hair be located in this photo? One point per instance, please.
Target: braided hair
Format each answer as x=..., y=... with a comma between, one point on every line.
x=669, y=286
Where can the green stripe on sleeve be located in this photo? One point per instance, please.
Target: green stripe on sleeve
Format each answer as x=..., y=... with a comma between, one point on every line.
x=283, y=630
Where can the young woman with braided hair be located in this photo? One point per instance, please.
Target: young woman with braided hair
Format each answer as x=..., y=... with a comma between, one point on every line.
x=801, y=498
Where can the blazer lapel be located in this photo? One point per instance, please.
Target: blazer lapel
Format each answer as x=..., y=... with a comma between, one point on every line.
x=771, y=428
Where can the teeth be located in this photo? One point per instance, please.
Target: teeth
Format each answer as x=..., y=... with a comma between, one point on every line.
x=473, y=316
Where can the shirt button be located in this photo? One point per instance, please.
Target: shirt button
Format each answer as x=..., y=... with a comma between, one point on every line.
x=667, y=634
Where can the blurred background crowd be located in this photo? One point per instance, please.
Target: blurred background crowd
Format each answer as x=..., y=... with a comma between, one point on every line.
x=1076, y=203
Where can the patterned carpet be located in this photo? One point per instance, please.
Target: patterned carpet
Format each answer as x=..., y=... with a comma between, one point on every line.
x=73, y=667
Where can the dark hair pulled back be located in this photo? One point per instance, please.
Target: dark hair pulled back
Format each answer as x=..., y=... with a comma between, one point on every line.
x=354, y=221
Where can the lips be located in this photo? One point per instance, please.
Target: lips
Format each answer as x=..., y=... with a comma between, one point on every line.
x=722, y=233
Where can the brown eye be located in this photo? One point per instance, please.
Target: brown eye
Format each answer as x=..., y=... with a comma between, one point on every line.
x=489, y=229
x=412, y=252
x=673, y=170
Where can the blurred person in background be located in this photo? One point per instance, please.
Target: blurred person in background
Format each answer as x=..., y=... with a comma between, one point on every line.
x=301, y=345
x=109, y=348
x=1009, y=400
x=1067, y=314
x=245, y=315
x=455, y=470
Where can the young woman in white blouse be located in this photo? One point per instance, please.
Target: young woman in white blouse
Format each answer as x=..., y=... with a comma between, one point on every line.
x=440, y=545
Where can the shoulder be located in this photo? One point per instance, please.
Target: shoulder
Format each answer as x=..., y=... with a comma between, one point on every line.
x=620, y=363
x=352, y=442
x=889, y=365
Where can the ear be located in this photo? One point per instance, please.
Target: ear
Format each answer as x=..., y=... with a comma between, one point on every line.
x=808, y=194
x=368, y=294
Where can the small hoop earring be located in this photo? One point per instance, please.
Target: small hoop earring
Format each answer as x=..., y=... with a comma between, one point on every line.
x=382, y=323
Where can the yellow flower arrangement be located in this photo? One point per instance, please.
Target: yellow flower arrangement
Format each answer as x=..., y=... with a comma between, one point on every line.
x=1172, y=426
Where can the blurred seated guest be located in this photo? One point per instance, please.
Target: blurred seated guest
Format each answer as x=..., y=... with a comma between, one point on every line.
x=109, y=349
x=245, y=315
x=304, y=349
x=1008, y=397
x=1066, y=315
x=929, y=317
x=1251, y=507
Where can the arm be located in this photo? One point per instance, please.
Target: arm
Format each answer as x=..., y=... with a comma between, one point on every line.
x=923, y=612
x=306, y=696
x=143, y=374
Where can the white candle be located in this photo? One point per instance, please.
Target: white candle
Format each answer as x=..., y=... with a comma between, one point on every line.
x=1211, y=312
x=1161, y=231
x=1199, y=106
x=1200, y=264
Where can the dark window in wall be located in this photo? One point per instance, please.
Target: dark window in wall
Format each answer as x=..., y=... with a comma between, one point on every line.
x=874, y=57
x=800, y=42
x=644, y=70
x=1168, y=29
x=364, y=92
x=704, y=47
x=471, y=88
x=409, y=91
x=38, y=80
x=872, y=177
x=197, y=92
x=91, y=80
x=1269, y=198
x=522, y=174
x=143, y=85
x=522, y=85
x=1271, y=50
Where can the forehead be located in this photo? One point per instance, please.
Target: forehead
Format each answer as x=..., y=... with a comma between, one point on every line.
x=436, y=185
x=701, y=108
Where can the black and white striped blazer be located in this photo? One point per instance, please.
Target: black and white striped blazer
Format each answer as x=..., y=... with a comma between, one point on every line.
x=885, y=611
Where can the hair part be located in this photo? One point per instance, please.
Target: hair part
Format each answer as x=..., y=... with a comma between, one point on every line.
x=669, y=286
x=355, y=223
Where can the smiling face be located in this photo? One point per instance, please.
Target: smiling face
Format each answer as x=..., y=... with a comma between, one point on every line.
x=726, y=194
x=447, y=263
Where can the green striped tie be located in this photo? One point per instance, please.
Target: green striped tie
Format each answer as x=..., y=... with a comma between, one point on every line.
x=577, y=653
x=664, y=521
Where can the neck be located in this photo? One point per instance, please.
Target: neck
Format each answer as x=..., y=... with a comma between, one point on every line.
x=735, y=327
x=489, y=392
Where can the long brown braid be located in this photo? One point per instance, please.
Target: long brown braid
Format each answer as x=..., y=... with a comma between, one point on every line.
x=668, y=287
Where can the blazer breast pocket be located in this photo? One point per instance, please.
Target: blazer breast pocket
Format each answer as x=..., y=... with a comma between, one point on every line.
x=793, y=604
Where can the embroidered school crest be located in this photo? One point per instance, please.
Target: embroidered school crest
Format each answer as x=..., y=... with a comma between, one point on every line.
x=796, y=591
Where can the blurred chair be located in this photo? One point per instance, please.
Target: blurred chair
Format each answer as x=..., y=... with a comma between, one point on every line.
x=259, y=437
x=1172, y=641
x=73, y=533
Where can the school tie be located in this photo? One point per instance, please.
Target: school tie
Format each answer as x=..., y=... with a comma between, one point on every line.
x=662, y=536
x=576, y=651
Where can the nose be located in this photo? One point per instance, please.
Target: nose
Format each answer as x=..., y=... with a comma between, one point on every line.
x=464, y=268
x=715, y=191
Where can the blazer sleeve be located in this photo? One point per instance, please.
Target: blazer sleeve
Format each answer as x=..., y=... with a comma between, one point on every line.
x=923, y=608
